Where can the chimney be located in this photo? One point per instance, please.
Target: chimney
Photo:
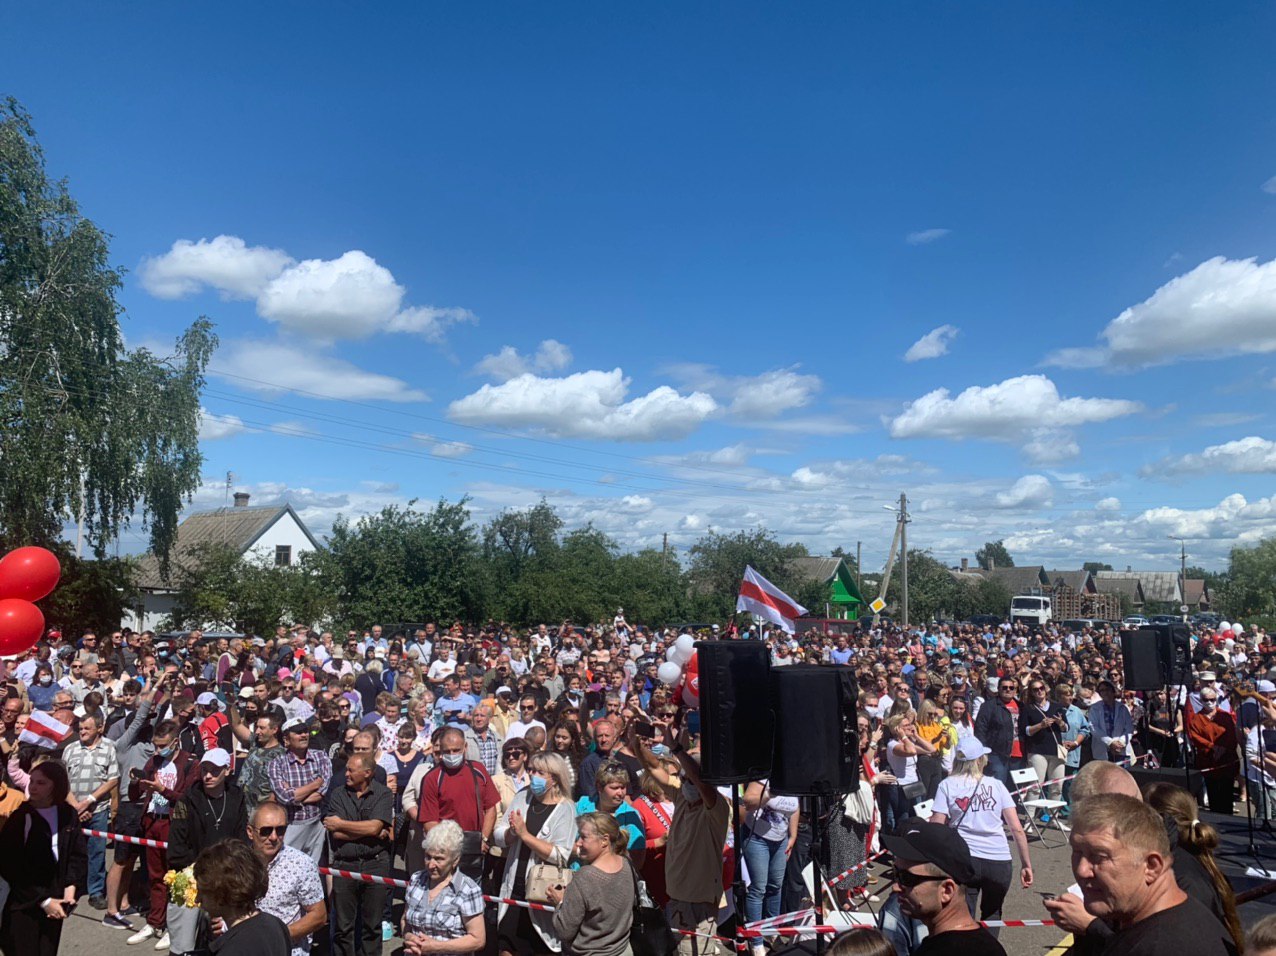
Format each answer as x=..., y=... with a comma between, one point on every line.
x=965, y=564
x=992, y=563
x=241, y=499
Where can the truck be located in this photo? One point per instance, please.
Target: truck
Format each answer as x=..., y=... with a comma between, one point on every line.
x=1031, y=609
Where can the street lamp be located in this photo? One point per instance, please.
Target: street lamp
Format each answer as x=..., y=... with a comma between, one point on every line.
x=1182, y=573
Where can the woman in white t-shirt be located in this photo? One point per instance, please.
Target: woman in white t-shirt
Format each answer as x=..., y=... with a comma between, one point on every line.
x=766, y=839
x=901, y=756
x=980, y=808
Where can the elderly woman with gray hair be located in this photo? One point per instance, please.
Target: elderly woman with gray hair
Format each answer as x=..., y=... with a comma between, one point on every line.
x=443, y=908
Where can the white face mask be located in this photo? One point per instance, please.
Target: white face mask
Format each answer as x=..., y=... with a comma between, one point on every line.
x=452, y=761
x=46, y=679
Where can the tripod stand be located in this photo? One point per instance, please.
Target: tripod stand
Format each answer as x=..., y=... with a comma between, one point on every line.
x=1259, y=787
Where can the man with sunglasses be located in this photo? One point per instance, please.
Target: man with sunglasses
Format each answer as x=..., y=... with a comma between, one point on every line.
x=295, y=895
x=931, y=871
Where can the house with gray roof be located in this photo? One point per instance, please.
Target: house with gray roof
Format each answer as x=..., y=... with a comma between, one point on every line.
x=1159, y=587
x=272, y=533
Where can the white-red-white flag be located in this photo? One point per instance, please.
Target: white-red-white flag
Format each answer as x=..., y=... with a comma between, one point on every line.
x=763, y=599
x=44, y=730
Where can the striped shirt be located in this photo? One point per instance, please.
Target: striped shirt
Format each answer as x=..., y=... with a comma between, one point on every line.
x=287, y=773
x=89, y=769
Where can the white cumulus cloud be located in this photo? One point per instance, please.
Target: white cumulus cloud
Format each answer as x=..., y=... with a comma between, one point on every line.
x=451, y=449
x=592, y=404
x=931, y=345
x=550, y=356
x=758, y=398
x=213, y=427
x=226, y=263
x=924, y=236
x=1047, y=447
x=1030, y=491
x=349, y=297
x=1108, y=504
x=1269, y=186
x=1245, y=456
x=1222, y=307
x=273, y=367
x=1003, y=412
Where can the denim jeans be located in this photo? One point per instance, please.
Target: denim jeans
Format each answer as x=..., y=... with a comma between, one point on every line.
x=999, y=767
x=101, y=820
x=766, y=861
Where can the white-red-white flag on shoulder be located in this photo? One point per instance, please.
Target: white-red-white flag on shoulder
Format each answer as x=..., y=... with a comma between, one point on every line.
x=44, y=730
x=763, y=599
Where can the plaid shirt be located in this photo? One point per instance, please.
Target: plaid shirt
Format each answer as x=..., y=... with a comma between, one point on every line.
x=89, y=769
x=287, y=773
x=443, y=917
x=489, y=751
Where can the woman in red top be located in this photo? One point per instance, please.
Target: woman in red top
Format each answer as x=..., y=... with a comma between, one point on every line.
x=655, y=806
x=1213, y=735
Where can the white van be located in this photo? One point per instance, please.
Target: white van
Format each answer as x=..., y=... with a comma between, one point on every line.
x=1030, y=609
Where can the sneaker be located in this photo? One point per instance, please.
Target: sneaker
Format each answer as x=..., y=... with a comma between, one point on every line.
x=130, y=911
x=97, y=902
x=387, y=931
x=142, y=935
x=163, y=942
x=116, y=921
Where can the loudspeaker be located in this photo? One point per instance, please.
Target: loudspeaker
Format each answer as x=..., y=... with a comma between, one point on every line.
x=1174, y=645
x=1192, y=780
x=1157, y=655
x=737, y=719
x=1140, y=660
x=816, y=745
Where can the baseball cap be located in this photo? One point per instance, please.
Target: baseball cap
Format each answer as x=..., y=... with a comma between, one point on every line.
x=217, y=757
x=969, y=748
x=245, y=693
x=206, y=699
x=508, y=691
x=296, y=724
x=1266, y=687
x=934, y=843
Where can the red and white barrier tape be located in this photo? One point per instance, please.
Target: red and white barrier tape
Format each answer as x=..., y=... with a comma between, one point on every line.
x=834, y=880
x=120, y=838
x=782, y=919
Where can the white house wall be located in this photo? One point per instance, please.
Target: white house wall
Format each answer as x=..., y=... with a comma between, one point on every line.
x=285, y=531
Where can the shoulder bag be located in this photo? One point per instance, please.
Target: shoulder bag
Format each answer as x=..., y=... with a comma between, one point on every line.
x=649, y=935
x=541, y=876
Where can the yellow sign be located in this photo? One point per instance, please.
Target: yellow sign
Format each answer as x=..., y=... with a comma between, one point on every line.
x=877, y=606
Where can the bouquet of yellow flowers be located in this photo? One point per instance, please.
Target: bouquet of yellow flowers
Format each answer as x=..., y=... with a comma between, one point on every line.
x=181, y=887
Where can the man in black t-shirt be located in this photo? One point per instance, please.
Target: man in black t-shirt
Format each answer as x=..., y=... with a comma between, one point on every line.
x=931, y=872
x=1123, y=864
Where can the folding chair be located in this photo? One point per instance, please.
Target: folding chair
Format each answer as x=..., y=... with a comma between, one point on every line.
x=1026, y=780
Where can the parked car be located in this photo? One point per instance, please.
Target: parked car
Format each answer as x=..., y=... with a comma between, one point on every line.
x=985, y=620
x=1206, y=619
x=1136, y=620
x=1167, y=619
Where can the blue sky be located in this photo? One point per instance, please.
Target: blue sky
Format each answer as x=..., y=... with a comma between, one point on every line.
x=688, y=266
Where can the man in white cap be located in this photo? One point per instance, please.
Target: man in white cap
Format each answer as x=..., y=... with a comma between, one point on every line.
x=214, y=726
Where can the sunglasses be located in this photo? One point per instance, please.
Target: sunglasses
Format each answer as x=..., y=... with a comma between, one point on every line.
x=273, y=831
x=516, y=753
x=1209, y=699
x=908, y=881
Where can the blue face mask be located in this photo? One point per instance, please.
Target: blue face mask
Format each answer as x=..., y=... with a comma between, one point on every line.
x=538, y=786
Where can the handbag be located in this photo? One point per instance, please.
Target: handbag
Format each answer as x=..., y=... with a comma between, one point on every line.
x=541, y=876
x=858, y=806
x=649, y=934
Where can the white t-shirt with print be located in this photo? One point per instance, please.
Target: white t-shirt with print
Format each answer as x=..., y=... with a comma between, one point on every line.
x=903, y=767
x=976, y=806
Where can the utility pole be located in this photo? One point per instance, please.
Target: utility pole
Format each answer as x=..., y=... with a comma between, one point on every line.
x=1182, y=574
x=859, y=565
x=903, y=545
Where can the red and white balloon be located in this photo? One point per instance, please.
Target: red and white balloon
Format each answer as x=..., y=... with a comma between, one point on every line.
x=26, y=576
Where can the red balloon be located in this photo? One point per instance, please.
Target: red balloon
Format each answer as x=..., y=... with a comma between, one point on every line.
x=21, y=625
x=29, y=574
x=691, y=681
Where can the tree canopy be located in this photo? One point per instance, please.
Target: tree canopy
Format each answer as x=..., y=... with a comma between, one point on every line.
x=89, y=430
x=994, y=555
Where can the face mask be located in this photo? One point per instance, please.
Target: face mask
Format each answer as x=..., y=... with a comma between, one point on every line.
x=690, y=792
x=165, y=753
x=46, y=680
x=538, y=786
x=452, y=761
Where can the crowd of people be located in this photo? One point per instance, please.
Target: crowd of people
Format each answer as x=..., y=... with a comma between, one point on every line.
x=554, y=766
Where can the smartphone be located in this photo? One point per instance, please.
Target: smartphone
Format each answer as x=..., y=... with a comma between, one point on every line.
x=644, y=729
x=1047, y=897
x=137, y=774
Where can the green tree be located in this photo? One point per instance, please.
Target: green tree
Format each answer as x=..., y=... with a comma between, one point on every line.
x=521, y=554
x=717, y=567
x=90, y=594
x=651, y=587
x=994, y=554
x=1096, y=566
x=88, y=429
x=1249, y=593
x=933, y=592
x=404, y=564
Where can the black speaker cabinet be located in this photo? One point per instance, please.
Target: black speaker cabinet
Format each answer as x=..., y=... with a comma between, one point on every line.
x=737, y=720
x=1157, y=655
x=1140, y=660
x=816, y=745
x=1189, y=780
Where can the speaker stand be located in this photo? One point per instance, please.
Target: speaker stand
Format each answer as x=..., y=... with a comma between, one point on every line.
x=737, y=859
x=1265, y=826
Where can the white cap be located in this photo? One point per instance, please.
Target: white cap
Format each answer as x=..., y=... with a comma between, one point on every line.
x=295, y=722
x=1266, y=687
x=970, y=748
x=206, y=699
x=217, y=757
x=245, y=693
